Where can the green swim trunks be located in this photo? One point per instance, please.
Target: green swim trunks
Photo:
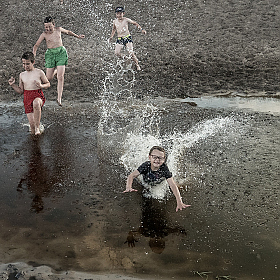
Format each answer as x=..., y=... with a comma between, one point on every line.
x=56, y=57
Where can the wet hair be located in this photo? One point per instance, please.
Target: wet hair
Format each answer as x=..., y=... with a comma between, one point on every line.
x=119, y=9
x=28, y=56
x=49, y=19
x=157, y=148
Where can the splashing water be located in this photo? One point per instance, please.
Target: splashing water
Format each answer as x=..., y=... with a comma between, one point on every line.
x=137, y=145
x=129, y=127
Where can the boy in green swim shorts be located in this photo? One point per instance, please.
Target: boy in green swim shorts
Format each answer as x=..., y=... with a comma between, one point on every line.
x=120, y=24
x=56, y=55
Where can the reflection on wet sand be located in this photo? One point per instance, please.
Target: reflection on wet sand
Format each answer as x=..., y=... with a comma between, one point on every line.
x=46, y=173
x=36, y=179
x=153, y=225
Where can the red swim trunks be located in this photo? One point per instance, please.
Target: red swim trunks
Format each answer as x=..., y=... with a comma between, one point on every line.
x=29, y=96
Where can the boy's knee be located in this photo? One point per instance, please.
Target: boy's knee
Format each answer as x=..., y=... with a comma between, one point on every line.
x=118, y=53
x=37, y=103
x=60, y=77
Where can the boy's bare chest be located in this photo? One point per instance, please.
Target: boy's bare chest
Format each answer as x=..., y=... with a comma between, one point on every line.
x=121, y=26
x=54, y=37
x=29, y=77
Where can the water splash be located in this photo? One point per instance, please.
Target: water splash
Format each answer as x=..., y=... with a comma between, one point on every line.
x=137, y=145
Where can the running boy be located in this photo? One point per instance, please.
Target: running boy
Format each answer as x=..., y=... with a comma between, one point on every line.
x=155, y=171
x=31, y=83
x=120, y=24
x=56, y=55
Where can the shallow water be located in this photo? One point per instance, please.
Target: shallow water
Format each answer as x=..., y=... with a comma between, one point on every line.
x=255, y=104
x=62, y=203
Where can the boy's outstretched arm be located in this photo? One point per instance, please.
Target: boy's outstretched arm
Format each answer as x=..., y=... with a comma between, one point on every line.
x=12, y=83
x=70, y=33
x=129, y=181
x=143, y=31
x=175, y=190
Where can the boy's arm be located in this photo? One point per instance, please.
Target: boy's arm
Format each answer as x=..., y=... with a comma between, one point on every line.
x=175, y=190
x=113, y=32
x=129, y=181
x=70, y=33
x=37, y=44
x=44, y=81
x=17, y=88
x=137, y=24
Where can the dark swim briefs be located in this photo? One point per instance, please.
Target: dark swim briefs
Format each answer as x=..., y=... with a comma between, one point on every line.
x=124, y=40
x=29, y=96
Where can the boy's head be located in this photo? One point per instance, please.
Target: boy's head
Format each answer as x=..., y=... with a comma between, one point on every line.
x=119, y=12
x=49, y=24
x=28, y=61
x=157, y=156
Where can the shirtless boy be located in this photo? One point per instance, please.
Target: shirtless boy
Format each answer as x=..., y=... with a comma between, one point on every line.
x=154, y=172
x=120, y=24
x=56, y=56
x=31, y=83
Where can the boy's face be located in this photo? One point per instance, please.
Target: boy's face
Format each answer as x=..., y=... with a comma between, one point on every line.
x=156, y=158
x=27, y=64
x=49, y=27
x=119, y=15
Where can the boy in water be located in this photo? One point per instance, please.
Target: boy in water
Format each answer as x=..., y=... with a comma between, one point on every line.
x=56, y=55
x=120, y=24
x=31, y=83
x=155, y=171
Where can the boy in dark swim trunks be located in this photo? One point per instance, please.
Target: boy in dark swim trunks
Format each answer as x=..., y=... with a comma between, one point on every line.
x=56, y=55
x=120, y=24
x=154, y=172
x=31, y=83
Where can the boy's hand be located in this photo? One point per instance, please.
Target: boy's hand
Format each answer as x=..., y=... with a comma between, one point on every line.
x=38, y=84
x=143, y=31
x=81, y=36
x=181, y=205
x=11, y=81
x=130, y=190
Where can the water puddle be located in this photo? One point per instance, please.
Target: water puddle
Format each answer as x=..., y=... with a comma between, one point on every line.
x=258, y=104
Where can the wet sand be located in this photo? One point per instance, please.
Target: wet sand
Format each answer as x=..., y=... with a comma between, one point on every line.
x=61, y=196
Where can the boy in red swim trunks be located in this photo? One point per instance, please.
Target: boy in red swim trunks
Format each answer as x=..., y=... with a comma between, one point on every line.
x=56, y=56
x=31, y=83
x=120, y=24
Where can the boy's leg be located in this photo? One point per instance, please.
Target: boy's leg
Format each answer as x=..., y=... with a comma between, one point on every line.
x=30, y=117
x=60, y=82
x=50, y=73
x=118, y=49
x=129, y=47
x=37, y=106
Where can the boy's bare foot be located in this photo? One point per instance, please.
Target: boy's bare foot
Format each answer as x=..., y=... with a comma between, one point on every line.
x=138, y=68
x=37, y=131
x=59, y=103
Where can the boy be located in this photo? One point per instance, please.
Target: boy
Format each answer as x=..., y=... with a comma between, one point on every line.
x=31, y=83
x=56, y=55
x=155, y=171
x=120, y=24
